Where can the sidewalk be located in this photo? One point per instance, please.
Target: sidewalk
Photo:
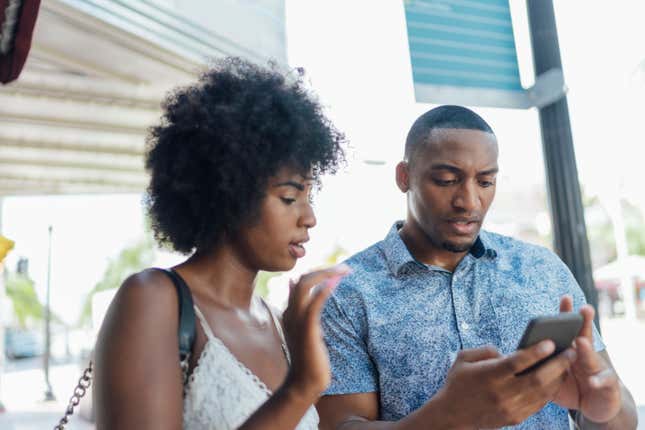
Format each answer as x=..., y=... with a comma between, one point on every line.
x=22, y=395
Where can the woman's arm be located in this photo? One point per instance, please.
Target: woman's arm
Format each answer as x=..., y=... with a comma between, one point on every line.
x=309, y=374
x=138, y=383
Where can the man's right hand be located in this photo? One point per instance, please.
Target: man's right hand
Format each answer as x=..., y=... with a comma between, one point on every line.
x=483, y=388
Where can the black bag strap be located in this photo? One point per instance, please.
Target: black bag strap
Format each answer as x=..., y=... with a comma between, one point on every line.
x=186, y=337
x=186, y=332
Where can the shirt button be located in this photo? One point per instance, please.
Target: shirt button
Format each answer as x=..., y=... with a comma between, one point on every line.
x=464, y=326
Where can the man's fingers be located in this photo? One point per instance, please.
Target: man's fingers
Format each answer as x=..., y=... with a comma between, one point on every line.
x=604, y=379
x=554, y=370
x=478, y=354
x=525, y=358
x=589, y=361
x=587, y=313
x=566, y=303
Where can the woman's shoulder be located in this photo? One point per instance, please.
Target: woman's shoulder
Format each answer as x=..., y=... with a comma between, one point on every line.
x=146, y=301
x=149, y=287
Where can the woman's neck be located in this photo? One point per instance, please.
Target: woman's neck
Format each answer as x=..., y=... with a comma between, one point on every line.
x=220, y=276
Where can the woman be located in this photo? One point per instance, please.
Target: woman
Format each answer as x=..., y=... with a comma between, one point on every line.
x=232, y=166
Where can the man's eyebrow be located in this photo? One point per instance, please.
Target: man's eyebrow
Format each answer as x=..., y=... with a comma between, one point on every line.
x=291, y=184
x=489, y=171
x=445, y=167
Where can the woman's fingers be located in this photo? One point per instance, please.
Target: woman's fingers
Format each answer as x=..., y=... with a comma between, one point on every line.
x=299, y=294
x=318, y=300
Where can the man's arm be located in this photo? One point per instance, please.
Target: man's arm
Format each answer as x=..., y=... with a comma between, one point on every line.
x=482, y=390
x=593, y=387
x=360, y=412
x=627, y=417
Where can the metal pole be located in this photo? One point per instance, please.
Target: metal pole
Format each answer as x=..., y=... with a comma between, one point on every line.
x=570, y=232
x=2, y=317
x=49, y=394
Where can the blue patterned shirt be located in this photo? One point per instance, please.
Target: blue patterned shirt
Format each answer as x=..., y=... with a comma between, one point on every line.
x=395, y=325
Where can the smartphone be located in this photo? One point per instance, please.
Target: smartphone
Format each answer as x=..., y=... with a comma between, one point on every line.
x=562, y=329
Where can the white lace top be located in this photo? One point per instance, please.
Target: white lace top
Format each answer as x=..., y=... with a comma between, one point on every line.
x=222, y=393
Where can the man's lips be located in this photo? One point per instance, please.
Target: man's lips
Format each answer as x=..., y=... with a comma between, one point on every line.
x=463, y=226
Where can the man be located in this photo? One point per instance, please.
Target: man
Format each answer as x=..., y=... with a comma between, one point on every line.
x=423, y=333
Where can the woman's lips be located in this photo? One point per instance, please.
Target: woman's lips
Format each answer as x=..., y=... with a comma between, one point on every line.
x=297, y=250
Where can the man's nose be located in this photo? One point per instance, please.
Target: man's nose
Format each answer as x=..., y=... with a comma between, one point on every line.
x=467, y=198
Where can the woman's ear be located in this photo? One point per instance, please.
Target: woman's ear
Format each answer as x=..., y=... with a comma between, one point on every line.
x=403, y=176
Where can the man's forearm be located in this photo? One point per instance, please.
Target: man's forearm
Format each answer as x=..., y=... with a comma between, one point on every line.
x=430, y=416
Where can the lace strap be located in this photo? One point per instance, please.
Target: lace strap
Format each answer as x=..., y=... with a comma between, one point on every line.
x=204, y=323
x=278, y=327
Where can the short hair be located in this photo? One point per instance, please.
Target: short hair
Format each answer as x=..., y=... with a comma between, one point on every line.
x=442, y=117
x=221, y=140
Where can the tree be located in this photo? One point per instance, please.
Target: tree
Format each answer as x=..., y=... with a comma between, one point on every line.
x=130, y=260
x=21, y=292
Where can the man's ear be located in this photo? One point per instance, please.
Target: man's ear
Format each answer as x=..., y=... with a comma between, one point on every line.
x=403, y=176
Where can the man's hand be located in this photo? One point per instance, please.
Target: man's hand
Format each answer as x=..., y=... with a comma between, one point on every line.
x=591, y=386
x=484, y=389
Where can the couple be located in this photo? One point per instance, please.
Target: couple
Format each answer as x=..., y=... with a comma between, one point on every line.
x=417, y=331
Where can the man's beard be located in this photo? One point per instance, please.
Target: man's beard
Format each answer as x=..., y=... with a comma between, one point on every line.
x=456, y=248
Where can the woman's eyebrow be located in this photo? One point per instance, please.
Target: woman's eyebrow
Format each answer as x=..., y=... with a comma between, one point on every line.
x=291, y=184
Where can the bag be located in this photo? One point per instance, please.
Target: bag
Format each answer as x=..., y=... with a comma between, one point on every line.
x=186, y=336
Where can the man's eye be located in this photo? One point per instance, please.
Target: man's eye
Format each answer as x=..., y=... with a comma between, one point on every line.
x=444, y=183
x=287, y=200
x=486, y=184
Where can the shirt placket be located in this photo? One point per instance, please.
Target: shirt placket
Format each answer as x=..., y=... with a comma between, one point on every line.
x=461, y=306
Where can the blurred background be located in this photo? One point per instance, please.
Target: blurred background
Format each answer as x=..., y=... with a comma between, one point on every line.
x=72, y=139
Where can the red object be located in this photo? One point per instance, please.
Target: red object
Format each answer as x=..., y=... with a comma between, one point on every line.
x=12, y=62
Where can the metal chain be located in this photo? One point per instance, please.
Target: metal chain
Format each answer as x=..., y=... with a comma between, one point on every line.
x=83, y=384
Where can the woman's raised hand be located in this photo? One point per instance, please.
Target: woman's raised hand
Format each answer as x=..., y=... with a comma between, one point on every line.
x=309, y=374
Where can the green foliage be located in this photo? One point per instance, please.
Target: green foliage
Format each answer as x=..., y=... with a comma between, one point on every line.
x=21, y=292
x=336, y=256
x=262, y=282
x=129, y=260
x=634, y=229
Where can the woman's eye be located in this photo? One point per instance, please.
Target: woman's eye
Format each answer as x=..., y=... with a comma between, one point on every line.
x=287, y=200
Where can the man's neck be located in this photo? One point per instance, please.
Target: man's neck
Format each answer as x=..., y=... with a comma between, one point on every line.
x=426, y=252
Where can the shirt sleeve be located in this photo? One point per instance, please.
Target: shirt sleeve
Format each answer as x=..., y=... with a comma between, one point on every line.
x=573, y=288
x=352, y=369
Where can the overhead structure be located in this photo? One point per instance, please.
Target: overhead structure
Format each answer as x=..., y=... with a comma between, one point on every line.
x=75, y=121
x=463, y=52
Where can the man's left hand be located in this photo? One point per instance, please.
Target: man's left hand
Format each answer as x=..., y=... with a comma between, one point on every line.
x=591, y=386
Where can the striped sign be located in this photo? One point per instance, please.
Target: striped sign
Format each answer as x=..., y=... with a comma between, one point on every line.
x=463, y=52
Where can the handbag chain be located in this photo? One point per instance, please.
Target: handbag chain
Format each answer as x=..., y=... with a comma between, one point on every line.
x=81, y=388
x=86, y=380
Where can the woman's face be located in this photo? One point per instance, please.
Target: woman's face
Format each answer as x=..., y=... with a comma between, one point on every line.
x=275, y=241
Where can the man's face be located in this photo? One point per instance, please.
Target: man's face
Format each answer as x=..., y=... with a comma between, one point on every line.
x=451, y=184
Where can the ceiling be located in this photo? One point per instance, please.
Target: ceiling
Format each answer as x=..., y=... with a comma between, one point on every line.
x=75, y=121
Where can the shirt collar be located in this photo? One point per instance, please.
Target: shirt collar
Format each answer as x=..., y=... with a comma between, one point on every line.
x=397, y=254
